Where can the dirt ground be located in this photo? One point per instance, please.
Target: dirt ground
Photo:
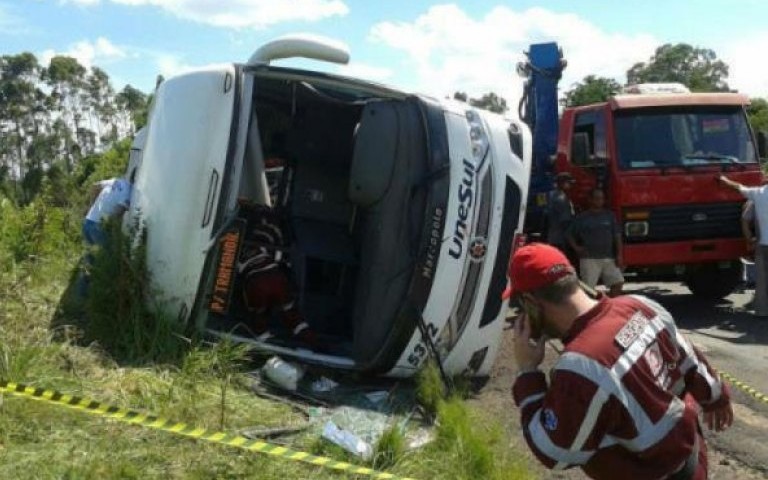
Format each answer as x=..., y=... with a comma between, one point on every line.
x=735, y=455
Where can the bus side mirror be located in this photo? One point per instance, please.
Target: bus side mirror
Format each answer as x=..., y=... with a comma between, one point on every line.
x=762, y=145
x=580, y=149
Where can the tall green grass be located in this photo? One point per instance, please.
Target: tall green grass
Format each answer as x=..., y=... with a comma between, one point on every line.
x=119, y=306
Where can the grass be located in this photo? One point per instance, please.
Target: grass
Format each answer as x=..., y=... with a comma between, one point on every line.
x=127, y=356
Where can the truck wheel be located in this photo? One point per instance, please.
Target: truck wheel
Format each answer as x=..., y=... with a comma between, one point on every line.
x=710, y=282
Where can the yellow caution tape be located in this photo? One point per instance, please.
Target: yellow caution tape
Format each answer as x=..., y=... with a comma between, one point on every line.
x=746, y=388
x=158, y=423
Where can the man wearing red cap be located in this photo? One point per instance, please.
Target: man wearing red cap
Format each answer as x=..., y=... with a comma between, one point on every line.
x=624, y=396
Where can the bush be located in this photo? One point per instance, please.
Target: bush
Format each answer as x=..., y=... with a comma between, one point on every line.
x=119, y=317
x=389, y=449
x=430, y=389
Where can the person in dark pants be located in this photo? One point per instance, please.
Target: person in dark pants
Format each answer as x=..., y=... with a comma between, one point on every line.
x=109, y=199
x=560, y=212
x=595, y=236
x=624, y=397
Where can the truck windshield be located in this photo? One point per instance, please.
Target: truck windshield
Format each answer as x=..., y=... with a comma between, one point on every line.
x=683, y=137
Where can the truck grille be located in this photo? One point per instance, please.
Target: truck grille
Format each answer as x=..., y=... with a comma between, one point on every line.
x=692, y=222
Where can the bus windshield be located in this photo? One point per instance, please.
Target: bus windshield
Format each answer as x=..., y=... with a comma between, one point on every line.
x=683, y=137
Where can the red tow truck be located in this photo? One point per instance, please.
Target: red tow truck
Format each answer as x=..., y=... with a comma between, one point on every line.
x=657, y=151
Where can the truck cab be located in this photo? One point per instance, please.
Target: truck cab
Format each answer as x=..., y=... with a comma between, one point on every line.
x=657, y=151
x=399, y=210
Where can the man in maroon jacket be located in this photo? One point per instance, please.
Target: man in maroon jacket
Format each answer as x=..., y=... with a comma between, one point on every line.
x=624, y=396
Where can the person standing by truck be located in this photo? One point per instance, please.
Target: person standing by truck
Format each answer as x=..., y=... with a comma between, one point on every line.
x=596, y=238
x=560, y=212
x=624, y=396
x=749, y=230
x=759, y=197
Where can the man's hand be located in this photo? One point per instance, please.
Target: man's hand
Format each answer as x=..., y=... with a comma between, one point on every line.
x=719, y=419
x=723, y=180
x=620, y=262
x=528, y=355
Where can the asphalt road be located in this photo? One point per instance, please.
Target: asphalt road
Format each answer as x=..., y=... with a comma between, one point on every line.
x=735, y=342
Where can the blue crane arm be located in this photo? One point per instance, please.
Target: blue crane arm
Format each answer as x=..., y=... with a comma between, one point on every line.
x=538, y=109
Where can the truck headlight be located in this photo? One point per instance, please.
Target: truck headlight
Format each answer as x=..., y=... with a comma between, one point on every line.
x=477, y=136
x=636, y=229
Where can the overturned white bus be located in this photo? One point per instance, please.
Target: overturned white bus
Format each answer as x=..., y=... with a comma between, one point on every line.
x=399, y=210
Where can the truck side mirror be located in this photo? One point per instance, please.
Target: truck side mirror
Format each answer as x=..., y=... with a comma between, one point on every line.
x=762, y=145
x=580, y=149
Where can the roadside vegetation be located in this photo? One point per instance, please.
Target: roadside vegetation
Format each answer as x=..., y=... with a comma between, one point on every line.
x=114, y=349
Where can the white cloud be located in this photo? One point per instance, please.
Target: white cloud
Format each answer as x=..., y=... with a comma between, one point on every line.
x=10, y=23
x=748, y=73
x=365, y=71
x=241, y=13
x=450, y=50
x=90, y=53
x=85, y=3
x=169, y=64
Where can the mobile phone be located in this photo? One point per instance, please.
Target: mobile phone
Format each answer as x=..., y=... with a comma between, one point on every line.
x=534, y=318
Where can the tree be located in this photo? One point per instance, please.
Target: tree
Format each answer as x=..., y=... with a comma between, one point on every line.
x=136, y=103
x=758, y=115
x=98, y=95
x=697, y=68
x=66, y=77
x=591, y=89
x=51, y=117
x=20, y=99
x=491, y=102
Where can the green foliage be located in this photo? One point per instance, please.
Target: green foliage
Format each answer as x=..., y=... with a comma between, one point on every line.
x=758, y=114
x=468, y=446
x=461, y=96
x=591, y=89
x=136, y=102
x=697, y=68
x=35, y=230
x=56, y=115
x=110, y=164
x=117, y=306
x=430, y=389
x=390, y=448
x=455, y=431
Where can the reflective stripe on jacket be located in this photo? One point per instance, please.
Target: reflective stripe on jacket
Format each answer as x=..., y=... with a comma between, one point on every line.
x=622, y=400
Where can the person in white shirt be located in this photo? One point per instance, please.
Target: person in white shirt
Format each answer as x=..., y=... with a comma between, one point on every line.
x=111, y=199
x=759, y=197
x=749, y=230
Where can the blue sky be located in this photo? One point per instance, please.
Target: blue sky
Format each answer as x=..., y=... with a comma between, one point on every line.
x=426, y=46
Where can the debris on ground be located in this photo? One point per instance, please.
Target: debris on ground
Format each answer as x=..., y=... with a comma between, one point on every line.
x=347, y=440
x=283, y=373
x=323, y=385
x=353, y=416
